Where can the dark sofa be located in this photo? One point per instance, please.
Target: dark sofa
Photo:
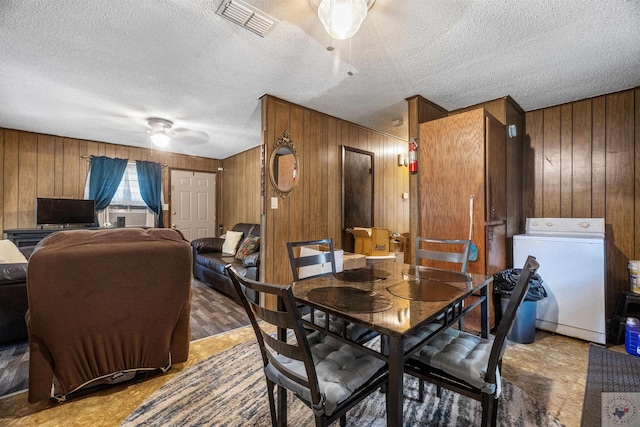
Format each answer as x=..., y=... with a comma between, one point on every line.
x=209, y=262
x=13, y=299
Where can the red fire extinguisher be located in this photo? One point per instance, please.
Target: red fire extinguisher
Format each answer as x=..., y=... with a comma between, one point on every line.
x=413, y=156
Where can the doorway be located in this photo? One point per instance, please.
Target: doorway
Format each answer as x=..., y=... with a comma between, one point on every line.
x=193, y=203
x=357, y=192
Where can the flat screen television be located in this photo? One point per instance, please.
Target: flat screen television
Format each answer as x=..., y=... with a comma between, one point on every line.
x=65, y=212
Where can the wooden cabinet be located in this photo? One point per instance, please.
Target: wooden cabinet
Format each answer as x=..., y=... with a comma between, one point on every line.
x=463, y=156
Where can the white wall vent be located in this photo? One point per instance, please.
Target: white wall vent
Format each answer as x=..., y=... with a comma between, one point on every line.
x=247, y=16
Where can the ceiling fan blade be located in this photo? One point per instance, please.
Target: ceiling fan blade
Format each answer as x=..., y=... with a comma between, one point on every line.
x=190, y=136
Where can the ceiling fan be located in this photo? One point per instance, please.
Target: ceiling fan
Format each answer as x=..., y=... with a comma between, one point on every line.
x=162, y=131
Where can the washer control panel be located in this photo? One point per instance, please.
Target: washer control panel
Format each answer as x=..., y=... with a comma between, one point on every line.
x=578, y=226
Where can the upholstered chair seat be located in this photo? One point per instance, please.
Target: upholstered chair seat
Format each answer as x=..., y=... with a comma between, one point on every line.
x=460, y=354
x=341, y=370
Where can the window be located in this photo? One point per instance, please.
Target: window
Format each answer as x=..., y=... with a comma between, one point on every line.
x=127, y=207
x=128, y=193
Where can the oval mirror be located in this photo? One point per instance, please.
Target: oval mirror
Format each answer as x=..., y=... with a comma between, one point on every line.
x=284, y=166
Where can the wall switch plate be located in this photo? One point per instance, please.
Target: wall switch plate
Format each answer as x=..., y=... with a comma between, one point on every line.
x=405, y=195
x=274, y=203
x=165, y=206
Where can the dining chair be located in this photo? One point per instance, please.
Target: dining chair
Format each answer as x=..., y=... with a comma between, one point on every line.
x=442, y=250
x=307, y=260
x=468, y=364
x=315, y=258
x=329, y=376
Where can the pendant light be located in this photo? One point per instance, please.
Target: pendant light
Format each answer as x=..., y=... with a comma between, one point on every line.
x=342, y=18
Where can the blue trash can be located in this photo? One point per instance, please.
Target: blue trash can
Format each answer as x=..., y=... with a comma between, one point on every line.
x=524, y=327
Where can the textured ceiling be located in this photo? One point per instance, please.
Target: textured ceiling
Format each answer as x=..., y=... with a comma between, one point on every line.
x=98, y=69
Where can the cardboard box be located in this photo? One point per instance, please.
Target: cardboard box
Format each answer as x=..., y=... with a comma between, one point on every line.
x=313, y=270
x=353, y=261
x=371, y=241
x=397, y=244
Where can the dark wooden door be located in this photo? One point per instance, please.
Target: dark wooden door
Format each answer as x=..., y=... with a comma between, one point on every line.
x=357, y=192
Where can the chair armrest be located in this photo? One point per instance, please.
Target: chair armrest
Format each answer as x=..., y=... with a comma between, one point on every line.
x=207, y=244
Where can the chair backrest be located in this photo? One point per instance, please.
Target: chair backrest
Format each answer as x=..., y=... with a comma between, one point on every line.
x=285, y=318
x=441, y=250
x=506, y=323
x=310, y=258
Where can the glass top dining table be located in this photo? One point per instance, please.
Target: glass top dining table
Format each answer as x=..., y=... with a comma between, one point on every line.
x=396, y=300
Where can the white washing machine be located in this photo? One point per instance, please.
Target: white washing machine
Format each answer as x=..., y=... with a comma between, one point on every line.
x=571, y=253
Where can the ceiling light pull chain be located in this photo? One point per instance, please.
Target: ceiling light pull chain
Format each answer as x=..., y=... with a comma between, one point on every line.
x=330, y=47
x=350, y=72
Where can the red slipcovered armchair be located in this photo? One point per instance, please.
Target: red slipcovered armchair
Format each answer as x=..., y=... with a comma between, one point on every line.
x=105, y=304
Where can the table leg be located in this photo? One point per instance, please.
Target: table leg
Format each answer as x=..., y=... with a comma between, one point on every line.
x=396, y=385
x=484, y=313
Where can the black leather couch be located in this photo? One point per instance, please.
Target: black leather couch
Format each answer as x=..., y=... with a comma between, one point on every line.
x=13, y=299
x=209, y=261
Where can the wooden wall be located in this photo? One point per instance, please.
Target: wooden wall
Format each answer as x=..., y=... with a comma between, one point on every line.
x=240, y=189
x=582, y=159
x=314, y=208
x=37, y=165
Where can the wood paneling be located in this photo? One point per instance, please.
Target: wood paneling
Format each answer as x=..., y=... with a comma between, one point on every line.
x=11, y=179
x=314, y=209
x=583, y=160
x=532, y=165
x=619, y=188
x=239, y=189
x=36, y=165
x=551, y=163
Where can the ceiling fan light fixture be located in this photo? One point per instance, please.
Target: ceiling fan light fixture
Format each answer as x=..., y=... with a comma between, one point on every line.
x=160, y=138
x=342, y=18
x=159, y=133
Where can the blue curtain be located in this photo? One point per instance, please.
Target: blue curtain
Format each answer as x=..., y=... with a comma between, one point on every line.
x=105, y=176
x=150, y=180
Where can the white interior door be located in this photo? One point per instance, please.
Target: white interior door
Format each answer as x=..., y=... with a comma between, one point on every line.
x=193, y=203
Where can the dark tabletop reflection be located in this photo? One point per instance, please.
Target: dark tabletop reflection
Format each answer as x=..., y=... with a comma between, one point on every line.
x=350, y=299
x=366, y=274
x=425, y=290
x=439, y=275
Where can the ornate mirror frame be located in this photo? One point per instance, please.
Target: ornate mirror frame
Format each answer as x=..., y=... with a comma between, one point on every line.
x=284, y=146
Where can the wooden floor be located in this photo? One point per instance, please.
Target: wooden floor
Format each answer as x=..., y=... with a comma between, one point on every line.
x=211, y=313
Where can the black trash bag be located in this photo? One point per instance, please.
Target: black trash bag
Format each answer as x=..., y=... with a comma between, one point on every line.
x=505, y=281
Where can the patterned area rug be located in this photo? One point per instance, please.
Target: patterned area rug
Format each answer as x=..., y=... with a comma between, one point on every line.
x=229, y=389
x=609, y=372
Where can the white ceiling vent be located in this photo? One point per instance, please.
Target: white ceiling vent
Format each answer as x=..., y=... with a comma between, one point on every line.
x=247, y=16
